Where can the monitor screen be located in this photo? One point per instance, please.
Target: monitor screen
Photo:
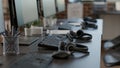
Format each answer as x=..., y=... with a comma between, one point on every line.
x=2, y=28
x=60, y=5
x=26, y=11
x=48, y=7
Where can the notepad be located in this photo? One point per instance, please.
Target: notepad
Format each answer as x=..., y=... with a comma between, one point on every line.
x=26, y=41
x=59, y=31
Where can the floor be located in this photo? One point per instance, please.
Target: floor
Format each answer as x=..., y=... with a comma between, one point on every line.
x=102, y=63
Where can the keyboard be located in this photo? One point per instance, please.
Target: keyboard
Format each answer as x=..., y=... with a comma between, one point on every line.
x=32, y=61
x=52, y=42
x=26, y=41
x=65, y=26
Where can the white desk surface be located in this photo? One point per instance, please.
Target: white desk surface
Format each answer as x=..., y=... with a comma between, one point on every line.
x=90, y=61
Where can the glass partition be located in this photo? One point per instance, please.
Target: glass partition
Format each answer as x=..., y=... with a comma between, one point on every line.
x=48, y=7
x=26, y=11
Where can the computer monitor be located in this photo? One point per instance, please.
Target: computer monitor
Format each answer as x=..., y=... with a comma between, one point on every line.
x=60, y=4
x=26, y=11
x=48, y=7
x=2, y=28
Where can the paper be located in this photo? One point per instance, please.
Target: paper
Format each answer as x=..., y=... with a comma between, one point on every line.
x=75, y=10
x=59, y=31
x=36, y=30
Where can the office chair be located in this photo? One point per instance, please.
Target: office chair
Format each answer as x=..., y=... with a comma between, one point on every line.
x=112, y=44
x=112, y=56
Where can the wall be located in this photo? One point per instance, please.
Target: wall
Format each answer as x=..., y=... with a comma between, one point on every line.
x=112, y=0
x=64, y=13
x=111, y=26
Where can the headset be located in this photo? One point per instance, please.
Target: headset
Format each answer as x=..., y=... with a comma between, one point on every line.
x=86, y=25
x=79, y=35
x=67, y=49
x=90, y=19
x=83, y=36
x=73, y=48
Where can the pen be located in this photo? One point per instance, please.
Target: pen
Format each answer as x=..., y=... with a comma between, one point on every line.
x=12, y=31
x=18, y=33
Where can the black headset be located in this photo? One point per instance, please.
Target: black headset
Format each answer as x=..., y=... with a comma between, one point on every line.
x=83, y=36
x=86, y=25
x=79, y=35
x=73, y=48
x=89, y=22
x=68, y=49
x=90, y=19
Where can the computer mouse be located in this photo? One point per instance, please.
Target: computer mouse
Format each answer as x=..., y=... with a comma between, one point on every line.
x=61, y=55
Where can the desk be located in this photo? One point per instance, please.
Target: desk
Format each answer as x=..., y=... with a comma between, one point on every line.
x=90, y=61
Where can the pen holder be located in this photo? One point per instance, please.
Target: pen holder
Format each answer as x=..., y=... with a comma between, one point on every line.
x=10, y=45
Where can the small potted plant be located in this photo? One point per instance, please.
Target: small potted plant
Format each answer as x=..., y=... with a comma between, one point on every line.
x=36, y=23
x=27, y=30
x=37, y=27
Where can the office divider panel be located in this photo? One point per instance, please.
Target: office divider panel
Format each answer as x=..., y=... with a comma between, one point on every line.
x=26, y=11
x=2, y=29
x=48, y=7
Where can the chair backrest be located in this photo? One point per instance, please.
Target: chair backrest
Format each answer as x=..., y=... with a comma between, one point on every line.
x=75, y=10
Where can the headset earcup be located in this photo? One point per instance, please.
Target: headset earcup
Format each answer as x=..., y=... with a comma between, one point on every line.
x=83, y=36
x=79, y=33
x=70, y=47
